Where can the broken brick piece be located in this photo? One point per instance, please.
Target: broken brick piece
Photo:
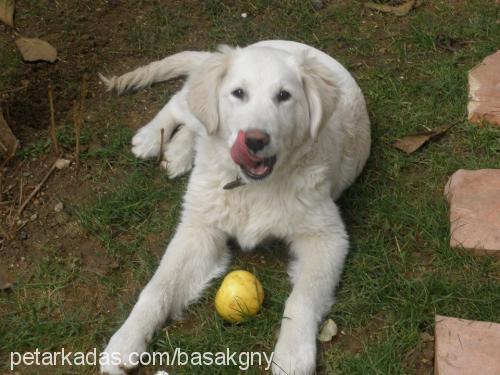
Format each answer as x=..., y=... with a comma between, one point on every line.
x=484, y=91
x=466, y=347
x=474, y=198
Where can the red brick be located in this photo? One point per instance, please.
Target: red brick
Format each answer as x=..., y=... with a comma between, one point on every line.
x=484, y=91
x=466, y=347
x=474, y=198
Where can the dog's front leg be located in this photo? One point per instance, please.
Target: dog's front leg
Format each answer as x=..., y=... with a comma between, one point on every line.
x=196, y=254
x=315, y=272
x=146, y=143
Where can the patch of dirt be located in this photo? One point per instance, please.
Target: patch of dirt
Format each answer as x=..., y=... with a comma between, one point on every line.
x=84, y=36
x=352, y=341
x=88, y=39
x=421, y=358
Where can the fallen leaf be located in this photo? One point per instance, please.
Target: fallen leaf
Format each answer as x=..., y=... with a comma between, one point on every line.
x=397, y=10
x=8, y=142
x=412, y=143
x=7, y=8
x=328, y=331
x=34, y=49
x=5, y=283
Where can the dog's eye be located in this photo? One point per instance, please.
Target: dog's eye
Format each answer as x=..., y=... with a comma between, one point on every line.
x=283, y=96
x=238, y=93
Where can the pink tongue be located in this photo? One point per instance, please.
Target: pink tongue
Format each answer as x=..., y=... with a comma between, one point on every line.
x=241, y=155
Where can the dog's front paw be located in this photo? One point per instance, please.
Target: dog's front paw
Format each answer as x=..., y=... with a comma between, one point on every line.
x=122, y=353
x=295, y=352
x=177, y=161
x=146, y=142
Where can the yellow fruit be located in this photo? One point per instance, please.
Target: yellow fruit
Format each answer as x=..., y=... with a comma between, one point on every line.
x=239, y=296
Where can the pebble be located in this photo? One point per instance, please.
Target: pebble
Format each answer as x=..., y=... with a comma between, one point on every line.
x=58, y=207
x=33, y=217
x=328, y=330
x=62, y=163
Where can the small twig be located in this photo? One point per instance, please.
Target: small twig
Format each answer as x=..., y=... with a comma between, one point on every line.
x=83, y=94
x=76, y=120
x=160, y=155
x=13, y=90
x=36, y=189
x=4, y=148
x=21, y=191
x=9, y=188
x=53, y=133
x=21, y=226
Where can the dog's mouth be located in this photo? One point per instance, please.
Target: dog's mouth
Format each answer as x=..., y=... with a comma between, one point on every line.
x=261, y=169
x=253, y=166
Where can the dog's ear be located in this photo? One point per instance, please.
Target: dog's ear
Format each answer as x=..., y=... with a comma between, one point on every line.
x=322, y=91
x=203, y=88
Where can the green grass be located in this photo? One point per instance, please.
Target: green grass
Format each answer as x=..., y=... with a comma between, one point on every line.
x=400, y=271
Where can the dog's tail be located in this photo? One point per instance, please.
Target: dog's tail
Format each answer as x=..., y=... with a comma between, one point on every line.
x=180, y=64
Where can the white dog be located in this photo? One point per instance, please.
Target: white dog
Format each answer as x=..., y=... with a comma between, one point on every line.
x=276, y=131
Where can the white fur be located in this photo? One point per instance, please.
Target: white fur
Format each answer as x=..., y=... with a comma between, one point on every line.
x=321, y=137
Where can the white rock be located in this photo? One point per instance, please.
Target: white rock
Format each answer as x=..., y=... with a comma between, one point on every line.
x=58, y=207
x=62, y=163
x=328, y=331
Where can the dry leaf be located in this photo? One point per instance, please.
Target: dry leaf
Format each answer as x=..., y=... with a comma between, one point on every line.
x=397, y=10
x=412, y=143
x=328, y=331
x=36, y=50
x=7, y=8
x=8, y=142
x=5, y=282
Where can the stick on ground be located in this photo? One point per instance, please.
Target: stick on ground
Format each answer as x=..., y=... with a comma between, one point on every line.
x=162, y=134
x=78, y=119
x=78, y=125
x=36, y=189
x=21, y=183
x=53, y=133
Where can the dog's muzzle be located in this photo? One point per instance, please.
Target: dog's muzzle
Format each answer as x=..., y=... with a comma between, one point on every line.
x=243, y=153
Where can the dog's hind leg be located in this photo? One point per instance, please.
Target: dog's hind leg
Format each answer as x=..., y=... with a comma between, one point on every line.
x=196, y=254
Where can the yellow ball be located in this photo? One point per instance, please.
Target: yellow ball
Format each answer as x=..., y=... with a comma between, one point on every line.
x=239, y=296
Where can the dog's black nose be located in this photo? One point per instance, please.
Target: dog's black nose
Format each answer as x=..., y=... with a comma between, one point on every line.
x=256, y=140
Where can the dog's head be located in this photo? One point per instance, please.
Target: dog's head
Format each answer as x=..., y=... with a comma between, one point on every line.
x=263, y=102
